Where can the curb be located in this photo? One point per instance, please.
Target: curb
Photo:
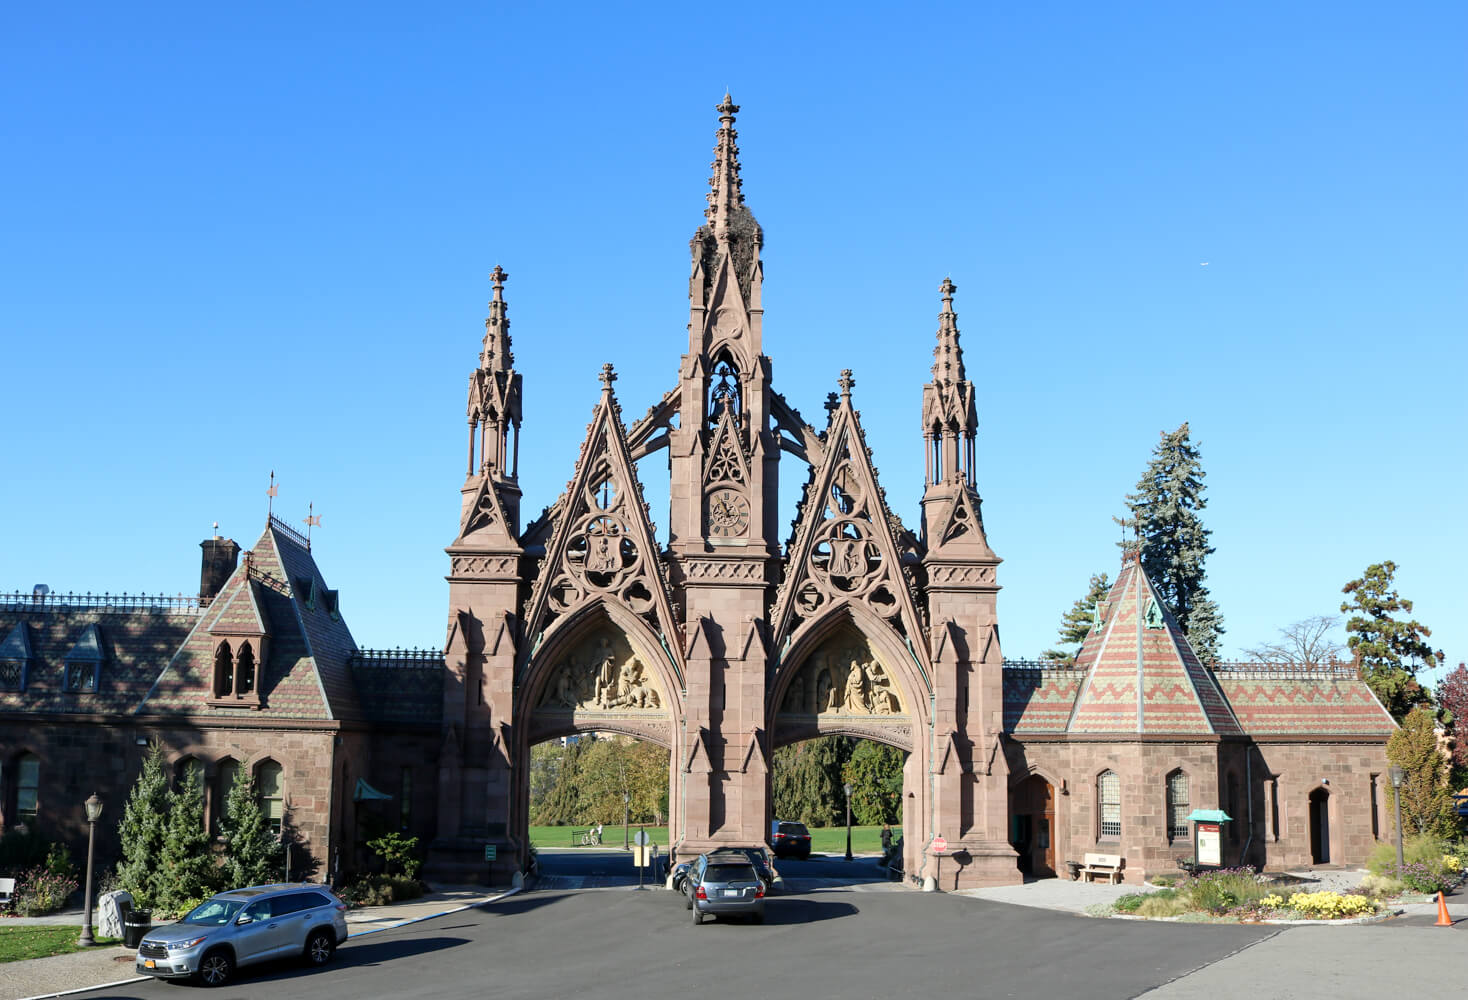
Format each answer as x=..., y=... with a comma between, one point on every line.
x=1375, y=918
x=401, y=923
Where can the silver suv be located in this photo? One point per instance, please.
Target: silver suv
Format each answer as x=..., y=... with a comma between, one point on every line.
x=724, y=883
x=245, y=926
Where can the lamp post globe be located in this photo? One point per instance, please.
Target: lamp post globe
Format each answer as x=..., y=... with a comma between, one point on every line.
x=93, y=807
x=847, y=789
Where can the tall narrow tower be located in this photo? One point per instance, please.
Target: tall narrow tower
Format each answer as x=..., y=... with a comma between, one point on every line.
x=474, y=794
x=970, y=789
x=723, y=459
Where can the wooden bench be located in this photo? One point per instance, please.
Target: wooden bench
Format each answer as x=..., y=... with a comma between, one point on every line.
x=1109, y=865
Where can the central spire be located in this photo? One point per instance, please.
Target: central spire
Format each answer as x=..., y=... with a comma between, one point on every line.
x=725, y=194
x=948, y=356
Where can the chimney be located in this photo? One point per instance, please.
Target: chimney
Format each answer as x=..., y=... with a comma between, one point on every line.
x=221, y=555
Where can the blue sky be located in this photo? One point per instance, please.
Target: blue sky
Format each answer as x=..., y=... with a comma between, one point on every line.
x=244, y=240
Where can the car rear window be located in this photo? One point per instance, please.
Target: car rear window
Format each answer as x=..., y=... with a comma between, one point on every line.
x=794, y=830
x=730, y=873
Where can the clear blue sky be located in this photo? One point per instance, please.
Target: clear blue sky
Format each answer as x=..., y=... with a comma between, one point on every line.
x=250, y=239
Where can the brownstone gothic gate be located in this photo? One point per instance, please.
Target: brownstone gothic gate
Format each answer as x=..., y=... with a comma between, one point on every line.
x=719, y=647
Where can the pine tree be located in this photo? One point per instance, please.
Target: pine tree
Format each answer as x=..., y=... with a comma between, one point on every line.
x=187, y=867
x=1076, y=623
x=252, y=853
x=1389, y=650
x=807, y=779
x=1427, y=805
x=1174, y=543
x=143, y=829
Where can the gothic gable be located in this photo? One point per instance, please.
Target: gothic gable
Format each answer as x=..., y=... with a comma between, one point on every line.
x=602, y=547
x=845, y=549
x=483, y=519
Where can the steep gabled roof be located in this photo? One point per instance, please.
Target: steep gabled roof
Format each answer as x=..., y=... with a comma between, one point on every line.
x=1328, y=699
x=1142, y=675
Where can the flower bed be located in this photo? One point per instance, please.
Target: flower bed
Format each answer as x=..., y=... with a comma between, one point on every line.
x=1239, y=894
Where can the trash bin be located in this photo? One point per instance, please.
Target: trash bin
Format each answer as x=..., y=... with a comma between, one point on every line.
x=135, y=926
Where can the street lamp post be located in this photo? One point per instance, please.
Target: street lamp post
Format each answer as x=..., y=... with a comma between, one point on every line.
x=1397, y=777
x=626, y=815
x=94, y=810
x=847, y=788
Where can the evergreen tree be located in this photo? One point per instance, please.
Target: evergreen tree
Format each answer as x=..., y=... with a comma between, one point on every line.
x=875, y=775
x=1174, y=543
x=1389, y=650
x=188, y=870
x=1427, y=805
x=1076, y=623
x=143, y=830
x=562, y=803
x=252, y=853
x=806, y=785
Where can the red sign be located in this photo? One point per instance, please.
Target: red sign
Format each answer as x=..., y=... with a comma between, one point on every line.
x=939, y=845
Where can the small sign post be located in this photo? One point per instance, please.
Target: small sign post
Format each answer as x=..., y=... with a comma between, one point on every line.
x=939, y=845
x=1208, y=837
x=491, y=852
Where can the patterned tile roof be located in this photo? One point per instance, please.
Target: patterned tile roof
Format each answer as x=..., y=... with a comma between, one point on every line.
x=400, y=686
x=1142, y=675
x=305, y=674
x=133, y=643
x=1326, y=700
x=1039, y=696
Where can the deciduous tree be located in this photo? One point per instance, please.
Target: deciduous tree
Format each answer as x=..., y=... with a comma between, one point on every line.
x=1390, y=650
x=1076, y=623
x=1452, y=695
x=1427, y=804
x=875, y=775
x=1174, y=544
x=1305, y=643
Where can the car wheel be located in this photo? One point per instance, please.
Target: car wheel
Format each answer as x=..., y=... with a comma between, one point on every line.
x=697, y=916
x=216, y=969
x=319, y=948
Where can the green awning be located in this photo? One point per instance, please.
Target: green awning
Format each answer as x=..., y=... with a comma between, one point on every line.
x=366, y=793
x=1210, y=816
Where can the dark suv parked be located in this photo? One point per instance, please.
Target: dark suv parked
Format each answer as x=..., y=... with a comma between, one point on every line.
x=789, y=839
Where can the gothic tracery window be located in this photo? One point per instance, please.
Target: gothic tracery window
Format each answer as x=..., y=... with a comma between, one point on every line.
x=1108, y=796
x=1178, y=806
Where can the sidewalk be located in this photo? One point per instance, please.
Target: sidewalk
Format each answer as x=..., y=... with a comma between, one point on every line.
x=106, y=966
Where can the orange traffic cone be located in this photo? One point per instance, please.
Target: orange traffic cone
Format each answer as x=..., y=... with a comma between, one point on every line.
x=1443, y=920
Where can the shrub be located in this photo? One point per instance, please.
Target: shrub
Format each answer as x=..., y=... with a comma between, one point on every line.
x=1420, y=877
x=1330, y=905
x=380, y=890
x=1128, y=903
x=1226, y=889
x=1420, y=848
x=1163, y=880
x=397, y=852
x=58, y=861
x=1165, y=903
x=1383, y=886
x=39, y=892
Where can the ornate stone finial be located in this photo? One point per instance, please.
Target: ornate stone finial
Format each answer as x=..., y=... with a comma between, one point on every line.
x=947, y=355
x=496, y=355
x=498, y=276
x=608, y=376
x=846, y=382
x=725, y=193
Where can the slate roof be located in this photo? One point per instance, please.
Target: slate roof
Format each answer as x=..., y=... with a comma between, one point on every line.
x=134, y=638
x=1325, y=700
x=305, y=674
x=400, y=686
x=1142, y=676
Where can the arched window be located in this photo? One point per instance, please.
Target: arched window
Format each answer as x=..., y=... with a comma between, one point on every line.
x=1108, y=798
x=244, y=669
x=27, y=787
x=1178, y=806
x=229, y=773
x=270, y=786
x=223, y=671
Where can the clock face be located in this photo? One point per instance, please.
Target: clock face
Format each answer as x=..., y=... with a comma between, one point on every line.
x=728, y=513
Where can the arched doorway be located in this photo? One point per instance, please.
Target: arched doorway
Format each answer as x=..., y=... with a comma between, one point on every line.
x=1320, y=826
x=1032, y=825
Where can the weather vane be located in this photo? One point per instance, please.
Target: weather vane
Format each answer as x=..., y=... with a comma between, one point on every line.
x=271, y=493
x=312, y=518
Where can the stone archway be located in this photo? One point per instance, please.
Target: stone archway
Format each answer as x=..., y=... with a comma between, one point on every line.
x=1320, y=826
x=838, y=680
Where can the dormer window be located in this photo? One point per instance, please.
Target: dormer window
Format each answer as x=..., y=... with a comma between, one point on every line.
x=237, y=673
x=82, y=673
x=15, y=658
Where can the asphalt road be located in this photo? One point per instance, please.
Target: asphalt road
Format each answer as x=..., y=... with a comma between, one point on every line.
x=874, y=940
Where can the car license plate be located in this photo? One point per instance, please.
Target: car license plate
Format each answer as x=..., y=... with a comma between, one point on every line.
x=148, y=963
x=733, y=892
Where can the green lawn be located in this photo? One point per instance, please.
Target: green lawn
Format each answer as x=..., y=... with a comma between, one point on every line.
x=39, y=941
x=828, y=840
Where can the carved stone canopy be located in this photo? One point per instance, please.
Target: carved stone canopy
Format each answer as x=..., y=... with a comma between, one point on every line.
x=602, y=675
x=844, y=676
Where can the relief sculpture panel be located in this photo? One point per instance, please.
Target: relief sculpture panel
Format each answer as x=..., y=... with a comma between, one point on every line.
x=843, y=677
x=602, y=674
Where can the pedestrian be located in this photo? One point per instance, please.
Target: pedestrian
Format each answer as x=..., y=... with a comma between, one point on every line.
x=886, y=839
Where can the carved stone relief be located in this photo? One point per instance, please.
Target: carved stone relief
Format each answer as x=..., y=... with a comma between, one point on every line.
x=844, y=677
x=602, y=674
